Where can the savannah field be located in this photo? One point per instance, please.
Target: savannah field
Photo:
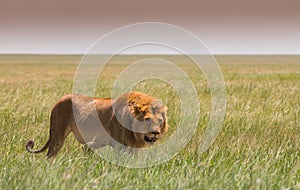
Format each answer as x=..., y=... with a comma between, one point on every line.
x=258, y=146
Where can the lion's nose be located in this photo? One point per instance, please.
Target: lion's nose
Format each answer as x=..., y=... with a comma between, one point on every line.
x=155, y=132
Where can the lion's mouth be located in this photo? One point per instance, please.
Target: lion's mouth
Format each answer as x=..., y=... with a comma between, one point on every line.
x=150, y=139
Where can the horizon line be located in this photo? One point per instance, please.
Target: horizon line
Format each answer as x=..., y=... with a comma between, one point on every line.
x=156, y=54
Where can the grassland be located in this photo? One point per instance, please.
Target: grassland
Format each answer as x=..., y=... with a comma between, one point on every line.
x=257, y=148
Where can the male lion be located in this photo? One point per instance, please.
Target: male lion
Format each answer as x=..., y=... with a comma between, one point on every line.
x=134, y=119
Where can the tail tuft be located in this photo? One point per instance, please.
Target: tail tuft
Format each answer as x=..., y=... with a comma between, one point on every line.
x=29, y=145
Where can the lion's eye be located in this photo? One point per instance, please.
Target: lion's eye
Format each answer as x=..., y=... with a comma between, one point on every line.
x=160, y=121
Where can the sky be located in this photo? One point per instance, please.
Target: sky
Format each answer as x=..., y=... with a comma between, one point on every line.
x=226, y=27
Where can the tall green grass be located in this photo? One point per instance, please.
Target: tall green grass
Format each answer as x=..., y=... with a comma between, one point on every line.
x=257, y=148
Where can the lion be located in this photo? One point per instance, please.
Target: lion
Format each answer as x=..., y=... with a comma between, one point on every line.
x=134, y=120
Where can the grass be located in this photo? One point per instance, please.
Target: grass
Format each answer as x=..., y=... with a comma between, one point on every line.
x=257, y=148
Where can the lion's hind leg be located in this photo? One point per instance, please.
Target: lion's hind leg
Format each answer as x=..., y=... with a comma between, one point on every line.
x=56, y=142
x=59, y=128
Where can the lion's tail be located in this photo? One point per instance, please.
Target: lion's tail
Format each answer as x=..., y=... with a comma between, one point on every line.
x=30, y=145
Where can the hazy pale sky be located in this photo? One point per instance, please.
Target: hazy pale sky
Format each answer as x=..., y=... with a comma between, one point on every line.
x=226, y=27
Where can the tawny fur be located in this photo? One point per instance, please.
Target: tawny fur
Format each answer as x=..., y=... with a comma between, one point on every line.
x=79, y=114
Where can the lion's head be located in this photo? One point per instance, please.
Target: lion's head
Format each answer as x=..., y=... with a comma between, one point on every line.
x=144, y=115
